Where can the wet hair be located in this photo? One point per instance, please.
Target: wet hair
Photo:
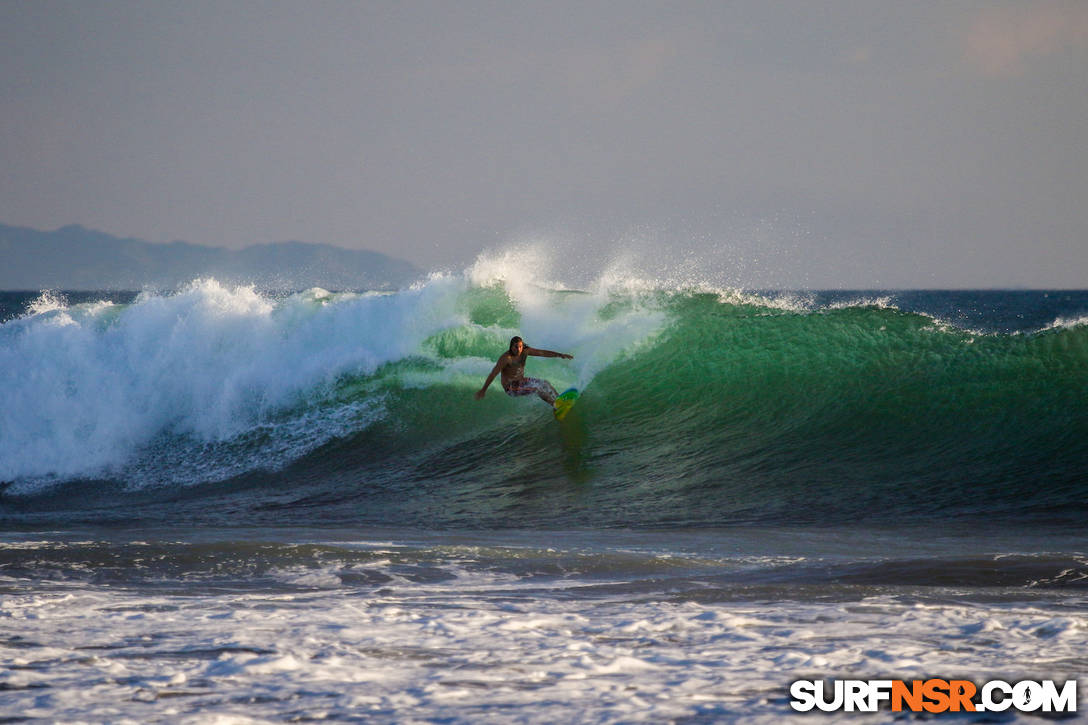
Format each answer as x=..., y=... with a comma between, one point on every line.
x=513, y=339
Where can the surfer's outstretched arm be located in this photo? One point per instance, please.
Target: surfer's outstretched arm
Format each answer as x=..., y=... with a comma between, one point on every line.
x=547, y=353
x=491, y=376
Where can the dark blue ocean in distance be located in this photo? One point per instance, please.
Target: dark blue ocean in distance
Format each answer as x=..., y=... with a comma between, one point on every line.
x=218, y=503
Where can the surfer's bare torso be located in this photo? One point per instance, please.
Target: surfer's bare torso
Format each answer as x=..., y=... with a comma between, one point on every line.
x=513, y=368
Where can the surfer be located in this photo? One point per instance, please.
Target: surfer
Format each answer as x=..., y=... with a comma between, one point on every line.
x=512, y=367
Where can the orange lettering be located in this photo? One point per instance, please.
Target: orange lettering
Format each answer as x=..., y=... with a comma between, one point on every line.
x=937, y=692
x=912, y=695
x=961, y=692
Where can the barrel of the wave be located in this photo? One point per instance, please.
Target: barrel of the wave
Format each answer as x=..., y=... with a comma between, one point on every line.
x=565, y=402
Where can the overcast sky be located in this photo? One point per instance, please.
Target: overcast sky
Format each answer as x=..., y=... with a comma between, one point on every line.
x=801, y=144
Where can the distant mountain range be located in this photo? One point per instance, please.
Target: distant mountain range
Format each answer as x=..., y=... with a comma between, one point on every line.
x=77, y=258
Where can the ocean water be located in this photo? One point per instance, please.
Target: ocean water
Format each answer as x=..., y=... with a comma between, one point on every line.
x=219, y=505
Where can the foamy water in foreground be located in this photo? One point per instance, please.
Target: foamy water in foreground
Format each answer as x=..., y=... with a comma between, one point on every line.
x=535, y=627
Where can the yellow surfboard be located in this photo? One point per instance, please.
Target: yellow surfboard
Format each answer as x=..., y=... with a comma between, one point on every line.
x=565, y=402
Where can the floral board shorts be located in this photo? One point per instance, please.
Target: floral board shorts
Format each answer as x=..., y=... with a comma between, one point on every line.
x=527, y=386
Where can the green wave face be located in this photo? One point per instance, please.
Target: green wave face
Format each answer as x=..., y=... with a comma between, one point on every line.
x=860, y=403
